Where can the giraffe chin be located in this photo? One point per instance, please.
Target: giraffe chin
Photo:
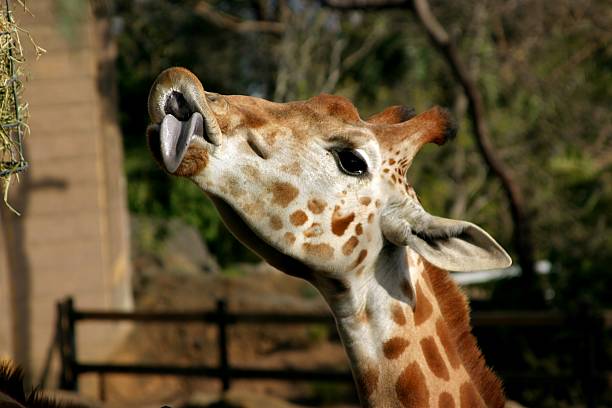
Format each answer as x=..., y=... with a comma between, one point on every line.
x=245, y=234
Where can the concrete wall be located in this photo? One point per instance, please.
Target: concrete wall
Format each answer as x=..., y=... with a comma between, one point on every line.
x=72, y=237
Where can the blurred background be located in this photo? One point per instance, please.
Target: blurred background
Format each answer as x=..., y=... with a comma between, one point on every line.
x=529, y=82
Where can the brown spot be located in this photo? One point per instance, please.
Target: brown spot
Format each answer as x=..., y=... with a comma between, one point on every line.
x=350, y=245
x=385, y=170
x=368, y=381
x=393, y=178
x=283, y=193
x=397, y=152
x=377, y=203
x=298, y=218
x=411, y=388
x=194, y=162
x=365, y=200
x=358, y=229
x=271, y=137
x=339, y=224
x=314, y=230
x=293, y=168
x=234, y=187
x=434, y=359
x=322, y=251
x=362, y=255
x=251, y=171
x=289, y=238
x=392, y=161
x=252, y=120
x=342, y=109
x=423, y=308
x=276, y=223
x=397, y=314
x=254, y=208
x=449, y=348
x=445, y=400
x=316, y=206
x=370, y=218
x=469, y=396
x=394, y=347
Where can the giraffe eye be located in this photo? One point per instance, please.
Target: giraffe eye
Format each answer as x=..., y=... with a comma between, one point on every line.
x=351, y=161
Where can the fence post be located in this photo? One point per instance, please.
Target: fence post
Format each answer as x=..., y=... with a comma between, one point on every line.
x=67, y=344
x=223, y=355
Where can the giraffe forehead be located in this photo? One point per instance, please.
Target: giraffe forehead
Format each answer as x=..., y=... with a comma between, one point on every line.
x=324, y=115
x=335, y=106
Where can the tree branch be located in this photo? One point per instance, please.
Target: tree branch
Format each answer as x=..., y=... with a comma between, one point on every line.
x=522, y=225
x=230, y=22
x=349, y=5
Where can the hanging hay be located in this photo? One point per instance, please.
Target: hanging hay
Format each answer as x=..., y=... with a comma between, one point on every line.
x=13, y=110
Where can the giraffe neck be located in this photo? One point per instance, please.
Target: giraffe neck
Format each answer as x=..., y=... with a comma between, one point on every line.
x=412, y=349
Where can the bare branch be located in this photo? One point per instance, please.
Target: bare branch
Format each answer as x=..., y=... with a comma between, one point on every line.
x=234, y=23
x=338, y=65
x=522, y=225
x=365, y=4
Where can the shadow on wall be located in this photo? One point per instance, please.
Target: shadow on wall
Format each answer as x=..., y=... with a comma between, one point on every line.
x=19, y=271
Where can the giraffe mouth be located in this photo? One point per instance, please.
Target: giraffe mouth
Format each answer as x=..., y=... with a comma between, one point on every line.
x=180, y=117
x=176, y=135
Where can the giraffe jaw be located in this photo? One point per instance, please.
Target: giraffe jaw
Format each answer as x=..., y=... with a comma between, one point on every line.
x=245, y=234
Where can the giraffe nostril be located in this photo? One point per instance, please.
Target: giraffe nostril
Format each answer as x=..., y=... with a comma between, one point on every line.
x=178, y=106
x=258, y=146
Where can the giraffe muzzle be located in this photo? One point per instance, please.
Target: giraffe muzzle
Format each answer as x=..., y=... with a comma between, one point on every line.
x=180, y=113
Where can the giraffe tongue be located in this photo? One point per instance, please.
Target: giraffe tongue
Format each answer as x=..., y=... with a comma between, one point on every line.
x=175, y=137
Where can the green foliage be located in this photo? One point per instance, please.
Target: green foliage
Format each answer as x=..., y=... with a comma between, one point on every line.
x=547, y=103
x=330, y=393
x=318, y=333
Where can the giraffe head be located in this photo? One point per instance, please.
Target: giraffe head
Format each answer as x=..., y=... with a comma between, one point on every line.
x=310, y=186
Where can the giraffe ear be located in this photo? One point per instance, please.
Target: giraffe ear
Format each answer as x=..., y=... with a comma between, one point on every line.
x=448, y=244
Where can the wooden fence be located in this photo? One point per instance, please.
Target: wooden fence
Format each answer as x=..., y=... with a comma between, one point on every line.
x=590, y=325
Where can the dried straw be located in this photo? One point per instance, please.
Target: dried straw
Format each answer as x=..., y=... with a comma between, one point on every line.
x=13, y=110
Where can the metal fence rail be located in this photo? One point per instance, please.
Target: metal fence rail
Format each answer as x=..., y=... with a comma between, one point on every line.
x=71, y=368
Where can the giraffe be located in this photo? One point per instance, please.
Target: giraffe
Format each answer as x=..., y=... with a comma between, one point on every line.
x=13, y=395
x=321, y=194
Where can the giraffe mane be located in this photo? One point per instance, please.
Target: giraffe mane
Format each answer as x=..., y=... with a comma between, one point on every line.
x=455, y=311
